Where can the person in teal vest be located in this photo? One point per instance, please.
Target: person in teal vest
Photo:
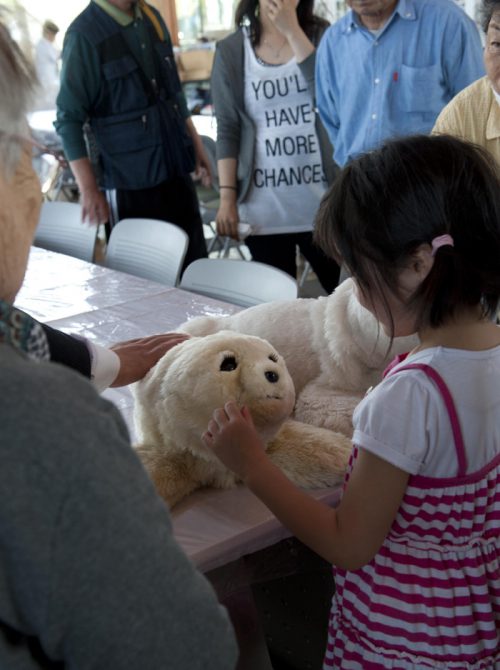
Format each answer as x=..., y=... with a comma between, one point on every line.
x=121, y=95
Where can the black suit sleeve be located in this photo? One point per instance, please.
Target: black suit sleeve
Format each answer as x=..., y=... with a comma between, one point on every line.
x=68, y=350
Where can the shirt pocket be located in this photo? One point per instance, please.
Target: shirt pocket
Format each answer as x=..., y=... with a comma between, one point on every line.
x=131, y=150
x=125, y=85
x=421, y=89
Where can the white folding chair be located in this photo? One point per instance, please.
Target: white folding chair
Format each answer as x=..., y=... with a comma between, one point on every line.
x=60, y=228
x=147, y=248
x=306, y=270
x=244, y=283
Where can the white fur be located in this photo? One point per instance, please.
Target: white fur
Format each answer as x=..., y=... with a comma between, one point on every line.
x=333, y=347
x=175, y=402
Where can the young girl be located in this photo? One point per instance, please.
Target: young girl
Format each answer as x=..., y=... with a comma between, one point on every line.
x=416, y=539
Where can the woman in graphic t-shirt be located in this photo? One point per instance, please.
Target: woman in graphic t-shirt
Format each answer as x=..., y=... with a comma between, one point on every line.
x=273, y=156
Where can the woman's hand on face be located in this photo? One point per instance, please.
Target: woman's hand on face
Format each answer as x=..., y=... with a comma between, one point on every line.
x=231, y=435
x=227, y=218
x=283, y=14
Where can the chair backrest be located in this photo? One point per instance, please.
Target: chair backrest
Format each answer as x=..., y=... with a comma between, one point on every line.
x=147, y=248
x=60, y=228
x=244, y=283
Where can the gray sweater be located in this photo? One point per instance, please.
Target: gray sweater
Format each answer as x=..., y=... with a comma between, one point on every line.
x=235, y=129
x=90, y=574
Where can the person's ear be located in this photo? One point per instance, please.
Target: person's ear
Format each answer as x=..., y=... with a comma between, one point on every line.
x=419, y=266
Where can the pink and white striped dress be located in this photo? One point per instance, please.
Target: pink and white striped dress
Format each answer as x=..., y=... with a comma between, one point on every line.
x=430, y=598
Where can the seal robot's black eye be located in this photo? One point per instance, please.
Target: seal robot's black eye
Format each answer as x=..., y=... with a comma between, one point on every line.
x=272, y=376
x=228, y=364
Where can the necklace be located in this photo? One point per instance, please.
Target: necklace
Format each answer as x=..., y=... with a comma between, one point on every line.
x=276, y=52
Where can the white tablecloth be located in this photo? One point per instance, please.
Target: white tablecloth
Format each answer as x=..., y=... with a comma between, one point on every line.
x=214, y=527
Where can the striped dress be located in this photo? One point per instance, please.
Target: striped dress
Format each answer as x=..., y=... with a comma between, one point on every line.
x=430, y=598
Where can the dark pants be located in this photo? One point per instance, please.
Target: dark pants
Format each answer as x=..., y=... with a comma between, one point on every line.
x=280, y=251
x=175, y=201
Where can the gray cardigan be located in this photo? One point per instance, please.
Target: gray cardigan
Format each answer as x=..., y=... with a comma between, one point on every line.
x=235, y=129
x=91, y=576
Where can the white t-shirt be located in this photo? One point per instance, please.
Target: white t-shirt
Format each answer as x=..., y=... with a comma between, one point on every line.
x=288, y=179
x=404, y=420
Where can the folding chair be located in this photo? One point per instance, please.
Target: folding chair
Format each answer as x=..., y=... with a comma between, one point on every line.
x=244, y=283
x=147, y=248
x=60, y=228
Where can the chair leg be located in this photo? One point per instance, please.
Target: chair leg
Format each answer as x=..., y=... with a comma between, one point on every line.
x=216, y=241
x=305, y=272
x=225, y=250
x=211, y=244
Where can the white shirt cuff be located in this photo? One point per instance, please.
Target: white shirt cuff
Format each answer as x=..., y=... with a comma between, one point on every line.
x=104, y=367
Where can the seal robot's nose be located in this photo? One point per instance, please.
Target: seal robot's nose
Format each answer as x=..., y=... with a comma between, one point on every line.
x=271, y=376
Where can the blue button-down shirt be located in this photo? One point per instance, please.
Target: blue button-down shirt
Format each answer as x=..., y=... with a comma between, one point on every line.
x=371, y=87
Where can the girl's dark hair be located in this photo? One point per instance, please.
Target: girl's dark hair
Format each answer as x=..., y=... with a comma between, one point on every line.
x=247, y=11
x=388, y=202
x=488, y=7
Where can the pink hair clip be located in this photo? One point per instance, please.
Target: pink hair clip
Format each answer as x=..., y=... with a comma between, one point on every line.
x=442, y=241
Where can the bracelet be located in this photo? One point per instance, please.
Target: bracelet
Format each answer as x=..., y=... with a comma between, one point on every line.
x=232, y=188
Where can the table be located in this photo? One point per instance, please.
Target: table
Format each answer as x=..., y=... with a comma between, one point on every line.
x=217, y=529
x=106, y=306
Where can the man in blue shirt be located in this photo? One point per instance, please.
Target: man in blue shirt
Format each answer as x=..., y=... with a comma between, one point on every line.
x=388, y=67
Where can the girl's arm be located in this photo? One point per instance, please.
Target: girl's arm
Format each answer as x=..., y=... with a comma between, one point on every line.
x=349, y=536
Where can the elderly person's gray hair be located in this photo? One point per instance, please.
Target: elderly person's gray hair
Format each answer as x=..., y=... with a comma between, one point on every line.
x=17, y=83
x=486, y=12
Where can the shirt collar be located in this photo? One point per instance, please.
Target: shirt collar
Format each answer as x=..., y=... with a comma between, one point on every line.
x=493, y=122
x=405, y=9
x=120, y=17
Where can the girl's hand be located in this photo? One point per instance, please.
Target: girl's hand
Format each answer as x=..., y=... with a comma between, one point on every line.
x=227, y=217
x=231, y=435
x=283, y=14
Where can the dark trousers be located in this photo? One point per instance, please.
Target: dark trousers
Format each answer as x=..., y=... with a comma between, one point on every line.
x=175, y=201
x=280, y=251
